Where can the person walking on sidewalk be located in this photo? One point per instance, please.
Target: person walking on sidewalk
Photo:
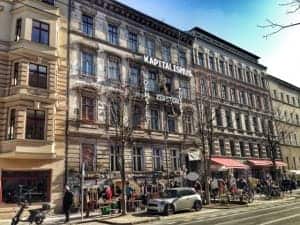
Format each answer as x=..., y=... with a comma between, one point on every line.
x=67, y=203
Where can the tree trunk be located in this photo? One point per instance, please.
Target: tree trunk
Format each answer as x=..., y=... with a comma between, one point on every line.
x=123, y=180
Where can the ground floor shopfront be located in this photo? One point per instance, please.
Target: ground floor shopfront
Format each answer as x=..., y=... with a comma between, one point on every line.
x=36, y=180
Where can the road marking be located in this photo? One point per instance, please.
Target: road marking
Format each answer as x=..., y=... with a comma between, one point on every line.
x=281, y=219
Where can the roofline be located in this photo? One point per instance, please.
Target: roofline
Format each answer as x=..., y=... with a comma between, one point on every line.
x=198, y=29
x=184, y=33
x=282, y=82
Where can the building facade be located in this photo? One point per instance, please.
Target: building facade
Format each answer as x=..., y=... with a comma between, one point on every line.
x=234, y=82
x=286, y=108
x=33, y=77
x=130, y=79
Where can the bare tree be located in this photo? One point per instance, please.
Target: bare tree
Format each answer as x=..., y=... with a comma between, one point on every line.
x=205, y=129
x=292, y=6
x=124, y=115
x=277, y=130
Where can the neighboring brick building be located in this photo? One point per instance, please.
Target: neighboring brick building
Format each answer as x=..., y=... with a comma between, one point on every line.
x=286, y=108
x=33, y=69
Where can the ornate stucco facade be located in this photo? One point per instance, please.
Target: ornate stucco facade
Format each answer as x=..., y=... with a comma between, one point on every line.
x=286, y=108
x=33, y=78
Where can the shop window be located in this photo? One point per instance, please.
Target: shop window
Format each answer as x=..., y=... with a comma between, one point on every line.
x=115, y=157
x=18, y=29
x=37, y=76
x=155, y=124
x=89, y=157
x=113, y=36
x=35, y=124
x=88, y=108
x=40, y=32
x=175, y=155
x=11, y=132
x=157, y=159
x=138, y=159
x=87, y=25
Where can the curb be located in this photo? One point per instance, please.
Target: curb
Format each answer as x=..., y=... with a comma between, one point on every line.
x=130, y=223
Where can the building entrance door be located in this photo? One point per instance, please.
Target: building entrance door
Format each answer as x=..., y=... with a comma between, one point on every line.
x=33, y=186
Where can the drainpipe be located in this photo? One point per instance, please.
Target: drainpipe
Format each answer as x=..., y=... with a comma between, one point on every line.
x=67, y=92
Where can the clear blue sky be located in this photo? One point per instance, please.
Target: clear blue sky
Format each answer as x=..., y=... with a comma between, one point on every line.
x=236, y=21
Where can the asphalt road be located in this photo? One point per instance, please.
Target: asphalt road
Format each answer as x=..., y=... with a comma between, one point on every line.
x=287, y=213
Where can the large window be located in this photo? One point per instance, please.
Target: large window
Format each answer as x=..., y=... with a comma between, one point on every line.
x=88, y=156
x=115, y=156
x=218, y=116
x=240, y=74
x=15, y=75
x=88, y=25
x=18, y=29
x=222, y=147
x=115, y=113
x=134, y=76
x=181, y=58
x=201, y=59
x=138, y=159
x=211, y=63
x=238, y=121
x=171, y=122
x=247, y=123
x=155, y=125
x=157, y=159
x=203, y=89
x=40, y=32
x=150, y=47
x=175, y=155
x=185, y=89
x=35, y=124
x=137, y=116
x=231, y=70
x=251, y=149
x=242, y=149
x=153, y=81
x=11, y=131
x=223, y=92
x=113, y=36
x=188, y=123
x=232, y=95
x=88, y=108
x=222, y=66
x=87, y=63
x=169, y=84
x=258, y=102
x=133, y=41
x=229, y=119
x=37, y=76
x=242, y=97
x=255, y=124
x=114, y=69
x=260, y=154
x=214, y=87
x=166, y=53
x=232, y=147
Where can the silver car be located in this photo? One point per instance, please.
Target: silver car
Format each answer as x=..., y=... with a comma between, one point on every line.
x=174, y=200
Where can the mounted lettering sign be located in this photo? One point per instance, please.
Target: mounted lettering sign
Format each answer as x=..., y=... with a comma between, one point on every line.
x=167, y=66
x=169, y=99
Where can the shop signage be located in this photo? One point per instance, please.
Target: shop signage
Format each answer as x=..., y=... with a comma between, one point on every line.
x=163, y=98
x=192, y=176
x=167, y=66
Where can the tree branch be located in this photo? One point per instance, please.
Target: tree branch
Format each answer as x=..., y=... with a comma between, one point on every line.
x=278, y=27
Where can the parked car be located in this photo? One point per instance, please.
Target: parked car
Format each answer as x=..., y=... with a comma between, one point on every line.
x=175, y=199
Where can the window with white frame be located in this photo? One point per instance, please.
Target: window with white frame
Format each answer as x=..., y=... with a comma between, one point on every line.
x=157, y=159
x=138, y=158
x=175, y=155
x=115, y=156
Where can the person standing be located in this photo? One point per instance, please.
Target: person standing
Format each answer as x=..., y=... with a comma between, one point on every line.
x=67, y=203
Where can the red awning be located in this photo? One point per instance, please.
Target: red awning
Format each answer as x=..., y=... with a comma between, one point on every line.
x=229, y=163
x=265, y=163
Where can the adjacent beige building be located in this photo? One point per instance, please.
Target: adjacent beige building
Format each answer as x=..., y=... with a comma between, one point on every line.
x=286, y=109
x=33, y=78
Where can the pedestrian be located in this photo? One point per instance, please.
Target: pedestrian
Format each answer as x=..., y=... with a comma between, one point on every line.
x=214, y=188
x=67, y=203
